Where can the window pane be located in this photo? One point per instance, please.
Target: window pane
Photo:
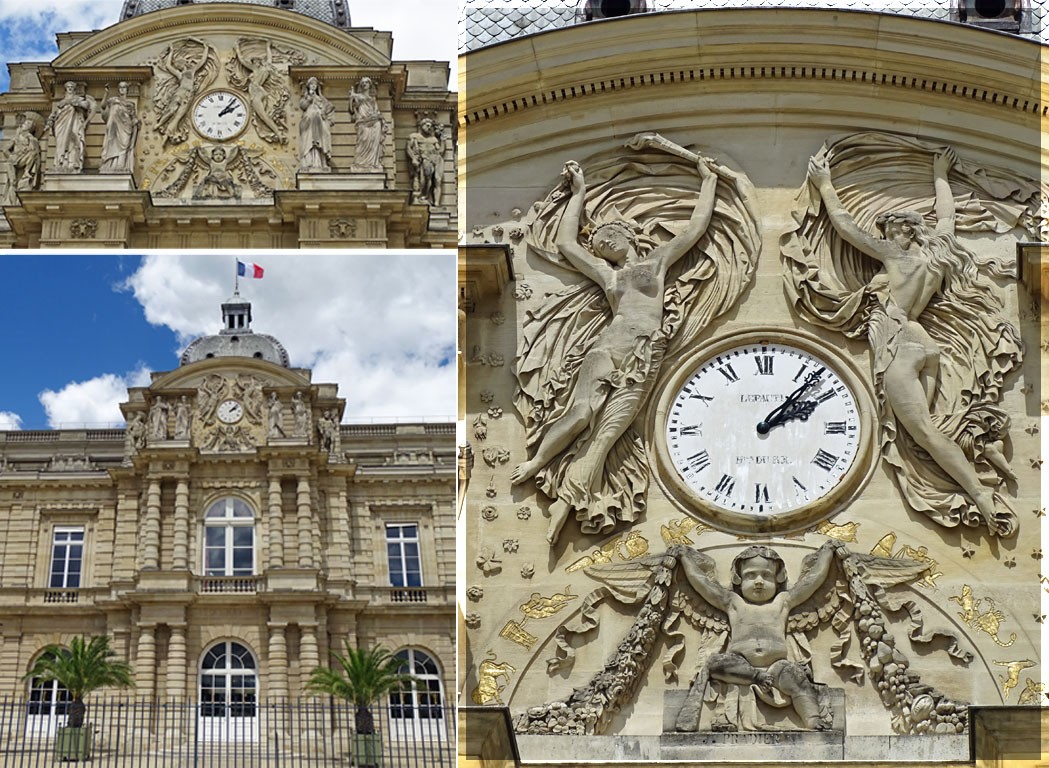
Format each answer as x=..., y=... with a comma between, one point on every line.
x=214, y=536
x=242, y=560
x=243, y=536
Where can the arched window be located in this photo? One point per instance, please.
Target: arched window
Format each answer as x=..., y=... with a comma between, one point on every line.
x=419, y=706
x=228, y=693
x=229, y=538
x=47, y=708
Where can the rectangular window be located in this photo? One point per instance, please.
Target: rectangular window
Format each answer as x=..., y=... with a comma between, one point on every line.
x=402, y=551
x=67, y=558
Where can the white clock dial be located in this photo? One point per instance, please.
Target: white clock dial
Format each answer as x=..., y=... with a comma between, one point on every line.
x=220, y=115
x=756, y=432
x=230, y=411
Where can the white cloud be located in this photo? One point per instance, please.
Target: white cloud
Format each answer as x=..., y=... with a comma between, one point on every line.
x=10, y=420
x=380, y=324
x=94, y=401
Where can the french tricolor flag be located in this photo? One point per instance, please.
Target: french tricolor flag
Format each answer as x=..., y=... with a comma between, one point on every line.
x=247, y=269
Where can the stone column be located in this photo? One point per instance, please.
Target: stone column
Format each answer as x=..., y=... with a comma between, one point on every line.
x=278, y=662
x=305, y=520
x=276, y=525
x=309, y=658
x=146, y=661
x=180, y=545
x=176, y=679
x=151, y=528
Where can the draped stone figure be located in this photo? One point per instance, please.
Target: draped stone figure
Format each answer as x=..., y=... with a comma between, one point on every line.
x=318, y=114
x=664, y=244
x=874, y=255
x=118, y=145
x=184, y=69
x=67, y=123
x=22, y=158
x=371, y=128
x=260, y=66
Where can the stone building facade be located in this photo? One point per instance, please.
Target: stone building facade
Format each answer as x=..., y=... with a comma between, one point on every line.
x=217, y=125
x=665, y=213
x=232, y=535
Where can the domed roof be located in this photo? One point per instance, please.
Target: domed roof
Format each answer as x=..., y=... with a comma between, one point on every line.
x=236, y=339
x=334, y=12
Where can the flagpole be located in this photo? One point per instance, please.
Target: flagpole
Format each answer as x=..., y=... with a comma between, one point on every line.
x=236, y=278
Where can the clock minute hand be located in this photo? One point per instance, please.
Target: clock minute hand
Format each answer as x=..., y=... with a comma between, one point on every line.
x=791, y=408
x=229, y=108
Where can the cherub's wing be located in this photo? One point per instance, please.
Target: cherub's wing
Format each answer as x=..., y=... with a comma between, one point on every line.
x=888, y=571
x=631, y=581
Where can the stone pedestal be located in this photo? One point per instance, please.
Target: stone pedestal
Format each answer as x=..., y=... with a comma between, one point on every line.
x=88, y=182
x=327, y=182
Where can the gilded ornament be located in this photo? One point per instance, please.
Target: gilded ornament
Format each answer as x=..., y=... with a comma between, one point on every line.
x=885, y=546
x=1012, y=676
x=676, y=531
x=489, y=674
x=989, y=621
x=516, y=633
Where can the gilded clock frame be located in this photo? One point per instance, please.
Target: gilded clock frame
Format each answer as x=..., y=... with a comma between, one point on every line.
x=833, y=502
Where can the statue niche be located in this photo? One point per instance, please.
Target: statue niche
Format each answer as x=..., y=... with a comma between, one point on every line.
x=664, y=241
x=753, y=657
x=874, y=255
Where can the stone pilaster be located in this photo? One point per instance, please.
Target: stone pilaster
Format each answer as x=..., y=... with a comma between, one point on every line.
x=276, y=525
x=277, y=662
x=151, y=528
x=146, y=661
x=180, y=544
x=305, y=520
x=309, y=658
x=176, y=661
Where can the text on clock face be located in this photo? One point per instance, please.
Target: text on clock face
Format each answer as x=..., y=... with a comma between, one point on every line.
x=763, y=429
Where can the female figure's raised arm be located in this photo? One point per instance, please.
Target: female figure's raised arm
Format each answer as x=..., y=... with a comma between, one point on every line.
x=668, y=253
x=842, y=220
x=941, y=166
x=567, y=239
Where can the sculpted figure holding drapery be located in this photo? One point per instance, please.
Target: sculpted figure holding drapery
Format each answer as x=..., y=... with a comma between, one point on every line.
x=21, y=158
x=183, y=70
x=67, y=123
x=318, y=114
x=665, y=240
x=874, y=255
x=371, y=127
x=118, y=146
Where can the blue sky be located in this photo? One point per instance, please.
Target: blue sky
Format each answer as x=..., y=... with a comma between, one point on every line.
x=380, y=324
x=28, y=27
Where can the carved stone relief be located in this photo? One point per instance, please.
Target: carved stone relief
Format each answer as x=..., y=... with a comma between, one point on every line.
x=371, y=128
x=181, y=72
x=754, y=641
x=874, y=255
x=260, y=67
x=21, y=158
x=83, y=229
x=216, y=172
x=676, y=233
x=426, y=159
x=68, y=124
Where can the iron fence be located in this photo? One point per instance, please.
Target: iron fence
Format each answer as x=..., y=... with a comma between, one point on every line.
x=143, y=733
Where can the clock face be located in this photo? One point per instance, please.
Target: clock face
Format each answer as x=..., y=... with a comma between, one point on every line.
x=220, y=115
x=762, y=433
x=230, y=411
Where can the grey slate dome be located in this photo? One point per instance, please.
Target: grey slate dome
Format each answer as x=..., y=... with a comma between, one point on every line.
x=334, y=12
x=236, y=339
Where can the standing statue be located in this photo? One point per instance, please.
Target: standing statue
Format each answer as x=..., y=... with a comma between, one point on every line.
x=22, y=158
x=300, y=411
x=185, y=68
x=158, y=419
x=118, y=146
x=318, y=114
x=941, y=344
x=276, y=416
x=590, y=356
x=134, y=436
x=260, y=66
x=67, y=123
x=182, y=419
x=426, y=161
x=371, y=127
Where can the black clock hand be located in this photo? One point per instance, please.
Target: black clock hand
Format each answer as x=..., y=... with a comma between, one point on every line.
x=229, y=108
x=791, y=408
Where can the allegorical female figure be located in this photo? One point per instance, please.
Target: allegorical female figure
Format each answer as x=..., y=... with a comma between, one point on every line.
x=591, y=354
x=315, y=129
x=22, y=158
x=371, y=128
x=118, y=144
x=67, y=123
x=940, y=343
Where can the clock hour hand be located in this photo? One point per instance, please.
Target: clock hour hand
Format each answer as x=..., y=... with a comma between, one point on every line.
x=793, y=407
x=229, y=108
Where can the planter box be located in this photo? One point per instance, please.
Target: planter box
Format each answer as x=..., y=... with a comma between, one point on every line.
x=73, y=743
x=367, y=749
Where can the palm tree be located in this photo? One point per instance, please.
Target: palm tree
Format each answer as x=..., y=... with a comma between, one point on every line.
x=363, y=677
x=84, y=667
